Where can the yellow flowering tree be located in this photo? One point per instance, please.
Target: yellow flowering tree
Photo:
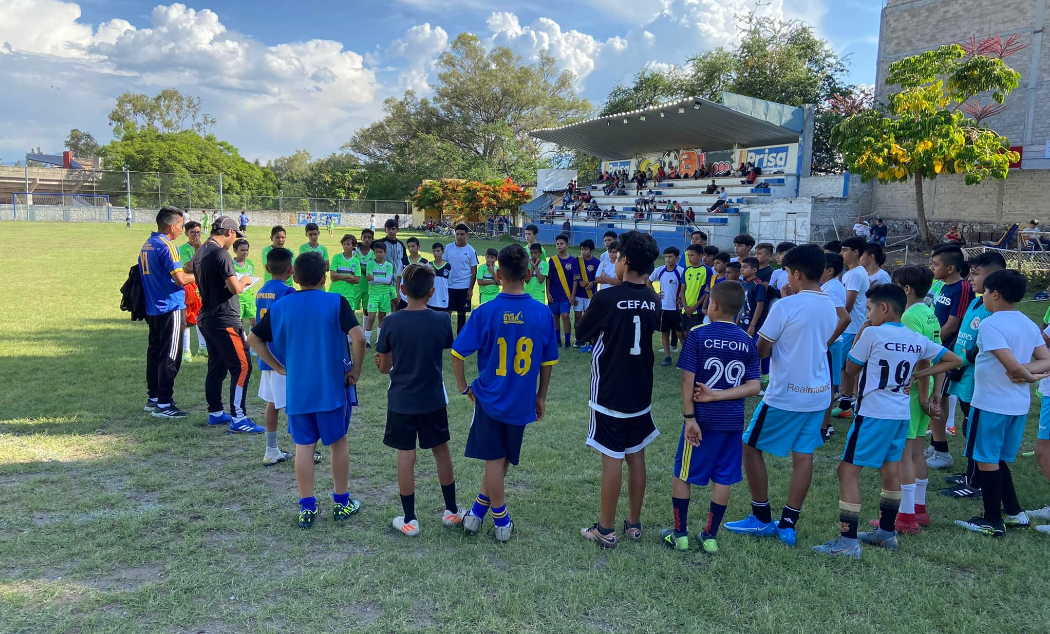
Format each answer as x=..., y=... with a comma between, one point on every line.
x=924, y=132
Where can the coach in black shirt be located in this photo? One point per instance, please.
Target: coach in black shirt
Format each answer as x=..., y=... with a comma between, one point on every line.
x=220, y=323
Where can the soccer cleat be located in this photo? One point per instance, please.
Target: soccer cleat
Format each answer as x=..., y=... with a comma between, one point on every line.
x=674, y=541
x=908, y=523
x=983, y=526
x=150, y=406
x=1044, y=528
x=708, y=543
x=317, y=457
x=928, y=451
x=787, y=536
x=940, y=460
x=921, y=515
x=608, y=540
x=1040, y=514
x=187, y=357
x=471, y=523
x=950, y=431
x=960, y=492
x=841, y=413
x=634, y=533
x=586, y=349
x=341, y=513
x=1017, y=521
x=667, y=362
x=955, y=479
x=171, y=411
x=879, y=538
x=274, y=456
x=202, y=352
x=503, y=533
x=751, y=526
x=674, y=348
x=453, y=518
x=306, y=518
x=837, y=548
x=223, y=418
x=368, y=345
x=408, y=529
x=245, y=426
x=575, y=344
x=826, y=434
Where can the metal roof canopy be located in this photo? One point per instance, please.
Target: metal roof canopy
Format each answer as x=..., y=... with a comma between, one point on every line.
x=688, y=123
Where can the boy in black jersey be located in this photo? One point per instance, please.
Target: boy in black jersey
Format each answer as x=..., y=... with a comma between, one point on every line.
x=620, y=326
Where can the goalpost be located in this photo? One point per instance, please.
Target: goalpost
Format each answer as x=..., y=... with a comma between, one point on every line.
x=61, y=207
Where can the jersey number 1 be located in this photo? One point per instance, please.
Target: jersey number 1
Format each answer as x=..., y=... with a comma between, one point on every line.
x=636, y=349
x=522, y=356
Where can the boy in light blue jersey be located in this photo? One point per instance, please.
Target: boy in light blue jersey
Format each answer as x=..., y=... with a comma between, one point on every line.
x=515, y=340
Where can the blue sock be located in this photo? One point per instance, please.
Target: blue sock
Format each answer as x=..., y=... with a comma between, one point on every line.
x=342, y=499
x=568, y=339
x=481, y=506
x=500, y=516
x=308, y=504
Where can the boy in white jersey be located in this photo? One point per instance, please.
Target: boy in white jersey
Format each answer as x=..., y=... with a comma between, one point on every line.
x=857, y=284
x=872, y=260
x=788, y=419
x=832, y=286
x=885, y=356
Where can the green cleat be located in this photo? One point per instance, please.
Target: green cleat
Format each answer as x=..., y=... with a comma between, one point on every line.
x=708, y=543
x=342, y=513
x=306, y=518
x=674, y=541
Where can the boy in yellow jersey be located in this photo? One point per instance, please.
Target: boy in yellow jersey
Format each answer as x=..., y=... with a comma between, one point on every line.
x=589, y=266
x=697, y=286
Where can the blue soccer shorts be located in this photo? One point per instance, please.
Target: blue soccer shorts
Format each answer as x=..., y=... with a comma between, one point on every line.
x=839, y=350
x=781, y=432
x=874, y=441
x=1044, y=419
x=993, y=437
x=328, y=427
x=491, y=439
x=717, y=459
x=560, y=308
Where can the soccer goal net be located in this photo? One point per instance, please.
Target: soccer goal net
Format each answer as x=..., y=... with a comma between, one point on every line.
x=60, y=206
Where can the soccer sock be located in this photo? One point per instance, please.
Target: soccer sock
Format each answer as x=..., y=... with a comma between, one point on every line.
x=500, y=516
x=448, y=491
x=1010, y=504
x=761, y=511
x=714, y=519
x=889, y=503
x=308, y=504
x=568, y=339
x=789, y=517
x=940, y=445
x=681, y=515
x=972, y=473
x=849, y=517
x=952, y=402
x=481, y=506
x=908, y=498
x=408, y=502
x=992, y=492
x=186, y=340
x=163, y=405
x=368, y=336
x=201, y=343
x=271, y=440
x=378, y=330
x=920, y=492
x=557, y=335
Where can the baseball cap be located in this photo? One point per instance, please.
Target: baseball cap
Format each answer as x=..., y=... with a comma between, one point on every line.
x=226, y=223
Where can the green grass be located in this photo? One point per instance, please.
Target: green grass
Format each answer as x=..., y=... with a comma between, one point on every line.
x=111, y=521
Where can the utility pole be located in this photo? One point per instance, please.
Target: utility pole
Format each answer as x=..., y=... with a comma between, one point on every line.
x=220, y=193
x=127, y=188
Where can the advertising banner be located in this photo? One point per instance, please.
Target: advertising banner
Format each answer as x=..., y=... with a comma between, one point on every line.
x=771, y=159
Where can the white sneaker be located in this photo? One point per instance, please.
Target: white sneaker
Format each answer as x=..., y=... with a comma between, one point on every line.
x=1043, y=528
x=450, y=518
x=503, y=532
x=409, y=529
x=274, y=456
x=187, y=357
x=1042, y=514
x=471, y=524
x=1017, y=521
x=928, y=451
x=940, y=460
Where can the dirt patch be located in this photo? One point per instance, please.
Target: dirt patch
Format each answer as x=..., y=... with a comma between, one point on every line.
x=364, y=613
x=16, y=479
x=423, y=615
x=128, y=579
x=211, y=627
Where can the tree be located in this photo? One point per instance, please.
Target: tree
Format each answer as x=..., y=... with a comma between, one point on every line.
x=167, y=111
x=650, y=87
x=923, y=133
x=81, y=144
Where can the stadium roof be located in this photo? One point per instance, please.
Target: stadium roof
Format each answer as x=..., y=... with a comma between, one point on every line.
x=687, y=123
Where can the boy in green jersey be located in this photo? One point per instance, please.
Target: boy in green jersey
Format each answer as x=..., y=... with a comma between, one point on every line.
x=364, y=257
x=536, y=287
x=312, y=232
x=187, y=250
x=243, y=266
x=925, y=401
x=488, y=283
x=380, y=275
x=346, y=271
x=278, y=236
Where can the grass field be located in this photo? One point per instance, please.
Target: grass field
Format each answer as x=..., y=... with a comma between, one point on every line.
x=112, y=521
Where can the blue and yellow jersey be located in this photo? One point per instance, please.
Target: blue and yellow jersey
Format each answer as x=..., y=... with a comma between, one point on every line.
x=158, y=259
x=561, y=276
x=514, y=336
x=269, y=293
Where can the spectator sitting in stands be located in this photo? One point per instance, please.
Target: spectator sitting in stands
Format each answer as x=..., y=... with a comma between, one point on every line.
x=752, y=176
x=650, y=196
x=720, y=204
x=690, y=215
x=621, y=188
x=673, y=174
x=610, y=213
x=1030, y=235
x=701, y=172
x=953, y=235
x=661, y=175
x=648, y=172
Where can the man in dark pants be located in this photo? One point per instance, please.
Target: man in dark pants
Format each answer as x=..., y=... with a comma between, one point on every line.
x=220, y=322
x=162, y=280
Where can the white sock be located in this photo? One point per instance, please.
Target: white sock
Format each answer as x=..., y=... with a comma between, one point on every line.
x=368, y=336
x=379, y=329
x=163, y=405
x=920, y=491
x=186, y=340
x=907, y=498
x=952, y=402
x=201, y=343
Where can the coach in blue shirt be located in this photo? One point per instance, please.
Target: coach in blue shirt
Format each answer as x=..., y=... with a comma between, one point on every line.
x=162, y=280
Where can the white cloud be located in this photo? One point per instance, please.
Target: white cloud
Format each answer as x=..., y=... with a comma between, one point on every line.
x=421, y=46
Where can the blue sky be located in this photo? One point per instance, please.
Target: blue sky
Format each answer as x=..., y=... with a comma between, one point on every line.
x=281, y=75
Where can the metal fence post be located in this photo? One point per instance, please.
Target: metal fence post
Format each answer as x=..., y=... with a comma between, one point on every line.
x=220, y=192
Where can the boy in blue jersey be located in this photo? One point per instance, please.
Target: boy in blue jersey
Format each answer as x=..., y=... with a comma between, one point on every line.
x=272, y=384
x=311, y=328
x=515, y=340
x=563, y=279
x=586, y=289
x=720, y=361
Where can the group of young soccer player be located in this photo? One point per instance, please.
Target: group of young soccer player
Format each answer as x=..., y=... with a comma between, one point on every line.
x=824, y=321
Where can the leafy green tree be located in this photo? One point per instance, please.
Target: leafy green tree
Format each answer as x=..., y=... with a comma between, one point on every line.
x=167, y=111
x=81, y=144
x=924, y=133
x=650, y=87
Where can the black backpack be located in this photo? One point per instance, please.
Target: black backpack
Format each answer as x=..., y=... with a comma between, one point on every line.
x=133, y=296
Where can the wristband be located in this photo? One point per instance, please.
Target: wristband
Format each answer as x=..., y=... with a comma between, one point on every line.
x=689, y=416
x=464, y=392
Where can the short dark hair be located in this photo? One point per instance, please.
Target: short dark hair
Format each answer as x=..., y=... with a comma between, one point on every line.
x=239, y=242
x=951, y=255
x=987, y=260
x=695, y=248
x=1009, y=283
x=765, y=246
x=609, y=234
x=462, y=227
x=744, y=238
x=856, y=243
x=729, y=295
x=614, y=246
x=919, y=278
x=562, y=236
x=348, y=236
x=167, y=216
x=891, y=294
x=722, y=256
x=369, y=232
x=532, y=228
x=807, y=259
x=191, y=225
x=784, y=247
x=390, y=224
x=672, y=251
x=310, y=268
x=640, y=249
x=437, y=245
x=417, y=280
x=278, y=260
x=701, y=234
x=536, y=246
x=311, y=226
x=751, y=261
x=711, y=250
x=832, y=246
x=492, y=252
x=834, y=262
x=276, y=229
x=412, y=240
x=733, y=265
x=513, y=263
x=587, y=244
x=877, y=252
x=379, y=245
